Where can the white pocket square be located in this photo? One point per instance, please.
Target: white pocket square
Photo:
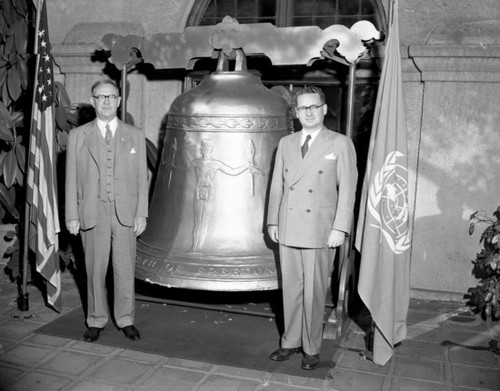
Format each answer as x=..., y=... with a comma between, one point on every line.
x=331, y=156
x=133, y=150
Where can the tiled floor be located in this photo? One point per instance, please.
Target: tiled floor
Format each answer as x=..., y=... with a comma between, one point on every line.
x=447, y=349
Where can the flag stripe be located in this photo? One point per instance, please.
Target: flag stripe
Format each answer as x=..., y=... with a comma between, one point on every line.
x=41, y=179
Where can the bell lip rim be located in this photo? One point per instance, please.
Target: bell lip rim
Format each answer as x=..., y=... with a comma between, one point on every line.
x=218, y=285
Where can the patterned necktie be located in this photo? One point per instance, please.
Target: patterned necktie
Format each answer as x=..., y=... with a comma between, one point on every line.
x=108, y=135
x=305, y=146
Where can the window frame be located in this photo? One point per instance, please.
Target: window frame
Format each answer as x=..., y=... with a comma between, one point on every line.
x=284, y=13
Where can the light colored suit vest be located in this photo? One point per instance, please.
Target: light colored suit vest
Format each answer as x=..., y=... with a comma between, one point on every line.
x=106, y=167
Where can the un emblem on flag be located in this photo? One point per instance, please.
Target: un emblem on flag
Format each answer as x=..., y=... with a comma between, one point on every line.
x=388, y=202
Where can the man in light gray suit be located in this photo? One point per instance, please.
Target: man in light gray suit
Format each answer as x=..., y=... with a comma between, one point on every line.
x=310, y=213
x=107, y=203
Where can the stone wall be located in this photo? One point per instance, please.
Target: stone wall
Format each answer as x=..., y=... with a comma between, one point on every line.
x=459, y=137
x=419, y=18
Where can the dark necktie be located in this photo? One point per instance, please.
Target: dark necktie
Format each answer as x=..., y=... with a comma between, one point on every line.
x=108, y=135
x=305, y=146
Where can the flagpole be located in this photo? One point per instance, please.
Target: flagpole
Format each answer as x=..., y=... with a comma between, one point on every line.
x=351, y=99
x=23, y=299
x=124, y=93
x=392, y=6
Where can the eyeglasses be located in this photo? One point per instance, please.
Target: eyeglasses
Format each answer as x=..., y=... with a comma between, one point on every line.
x=102, y=98
x=313, y=108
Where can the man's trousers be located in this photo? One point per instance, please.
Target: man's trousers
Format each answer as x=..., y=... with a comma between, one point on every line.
x=305, y=276
x=109, y=237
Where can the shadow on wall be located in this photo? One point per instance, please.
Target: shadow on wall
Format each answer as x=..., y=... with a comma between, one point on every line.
x=457, y=174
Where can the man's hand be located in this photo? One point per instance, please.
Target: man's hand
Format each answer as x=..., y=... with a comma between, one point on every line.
x=139, y=225
x=336, y=238
x=272, y=231
x=73, y=226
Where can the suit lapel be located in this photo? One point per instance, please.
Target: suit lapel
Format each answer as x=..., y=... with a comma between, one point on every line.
x=293, y=151
x=316, y=151
x=91, y=134
x=123, y=138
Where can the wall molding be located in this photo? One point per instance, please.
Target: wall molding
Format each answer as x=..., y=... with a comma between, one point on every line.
x=457, y=63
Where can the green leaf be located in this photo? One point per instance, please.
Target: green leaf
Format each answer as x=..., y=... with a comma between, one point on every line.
x=14, y=83
x=9, y=13
x=7, y=198
x=21, y=157
x=10, y=169
x=62, y=97
x=20, y=177
x=2, y=158
x=10, y=45
x=61, y=119
x=5, y=115
x=3, y=26
x=20, y=7
x=471, y=228
x=72, y=118
x=3, y=75
x=5, y=132
x=21, y=36
x=5, y=95
x=62, y=140
x=17, y=118
x=5, y=124
x=22, y=68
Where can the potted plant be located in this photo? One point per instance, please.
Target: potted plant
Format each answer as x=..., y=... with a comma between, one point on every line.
x=485, y=297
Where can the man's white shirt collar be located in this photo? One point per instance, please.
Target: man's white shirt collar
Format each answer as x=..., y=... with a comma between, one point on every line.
x=113, y=124
x=313, y=136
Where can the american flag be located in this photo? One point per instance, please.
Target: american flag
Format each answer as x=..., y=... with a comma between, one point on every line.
x=41, y=192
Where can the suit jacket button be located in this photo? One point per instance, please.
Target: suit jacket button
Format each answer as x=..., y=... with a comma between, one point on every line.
x=308, y=210
x=310, y=191
x=320, y=172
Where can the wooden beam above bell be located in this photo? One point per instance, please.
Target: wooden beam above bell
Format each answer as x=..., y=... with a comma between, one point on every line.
x=282, y=45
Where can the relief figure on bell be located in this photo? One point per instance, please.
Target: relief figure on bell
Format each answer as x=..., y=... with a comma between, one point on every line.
x=206, y=168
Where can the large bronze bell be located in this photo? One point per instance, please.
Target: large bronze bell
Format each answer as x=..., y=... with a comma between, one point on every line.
x=206, y=226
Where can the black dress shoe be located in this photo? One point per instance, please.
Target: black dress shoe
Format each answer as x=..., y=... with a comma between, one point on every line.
x=283, y=354
x=310, y=361
x=131, y=333
x=92, y=334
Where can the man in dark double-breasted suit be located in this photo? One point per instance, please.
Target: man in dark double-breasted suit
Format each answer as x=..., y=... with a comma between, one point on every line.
x=107, y=203
x=310, y=213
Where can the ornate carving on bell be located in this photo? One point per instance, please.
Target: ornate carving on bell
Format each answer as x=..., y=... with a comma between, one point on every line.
x=207, y=216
